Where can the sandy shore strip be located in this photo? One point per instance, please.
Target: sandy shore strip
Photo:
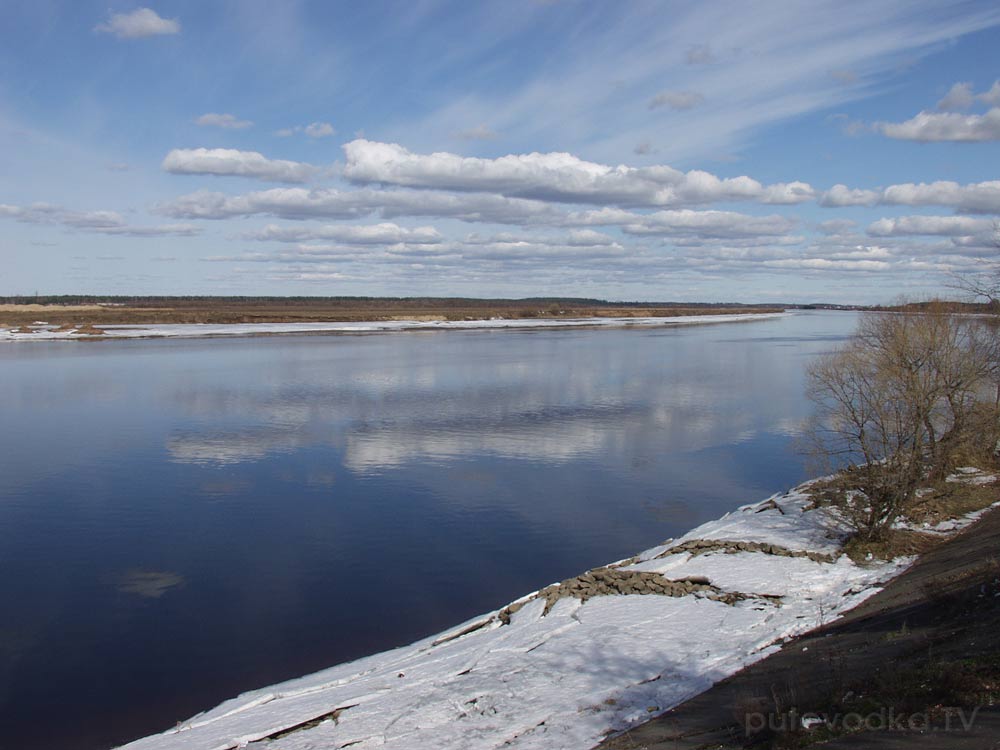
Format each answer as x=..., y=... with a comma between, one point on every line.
x=568, y=665
x=41, y=331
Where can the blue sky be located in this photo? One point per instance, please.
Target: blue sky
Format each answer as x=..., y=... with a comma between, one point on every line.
x=821, y=151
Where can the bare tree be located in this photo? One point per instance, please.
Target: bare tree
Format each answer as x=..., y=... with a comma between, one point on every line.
x=897, y=404
x=865, y=421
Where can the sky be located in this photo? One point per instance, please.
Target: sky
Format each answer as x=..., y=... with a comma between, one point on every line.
x=844, y=152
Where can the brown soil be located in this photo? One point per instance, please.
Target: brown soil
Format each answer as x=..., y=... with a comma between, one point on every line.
x=925, y=646
x=291, y=310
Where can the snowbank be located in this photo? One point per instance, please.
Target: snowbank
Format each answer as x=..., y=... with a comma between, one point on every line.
x=564, y=667
x=38, y=332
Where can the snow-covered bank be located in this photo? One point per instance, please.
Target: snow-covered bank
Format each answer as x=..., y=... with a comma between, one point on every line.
x=565, y=666
x=44, y=331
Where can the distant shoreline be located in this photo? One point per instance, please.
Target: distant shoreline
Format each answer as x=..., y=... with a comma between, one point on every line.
x=40, y=330
x=98, y=312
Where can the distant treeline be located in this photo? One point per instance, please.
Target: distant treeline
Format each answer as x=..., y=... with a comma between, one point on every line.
x=944, y=306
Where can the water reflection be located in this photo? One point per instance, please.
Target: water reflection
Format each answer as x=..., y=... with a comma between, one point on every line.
x=546, y=396
x=184, y=520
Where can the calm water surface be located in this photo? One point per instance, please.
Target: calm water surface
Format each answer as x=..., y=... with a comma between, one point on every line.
x=181, y=521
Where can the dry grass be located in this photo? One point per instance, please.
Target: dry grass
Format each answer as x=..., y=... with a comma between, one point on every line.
x=949, y=500
x=34, y=309
x=936, y=503
x=897, y=543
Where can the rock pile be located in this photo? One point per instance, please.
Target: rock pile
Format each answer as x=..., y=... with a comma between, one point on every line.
x=617, y=581
x=701, y=546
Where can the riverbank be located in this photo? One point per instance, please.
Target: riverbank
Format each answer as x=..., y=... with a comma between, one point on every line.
x=48, y=331
x=915, y=667
x=576, y=661
x=141, y=311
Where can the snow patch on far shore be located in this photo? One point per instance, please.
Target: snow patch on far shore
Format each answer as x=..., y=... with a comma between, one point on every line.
x=201, y=330
x=568, y=678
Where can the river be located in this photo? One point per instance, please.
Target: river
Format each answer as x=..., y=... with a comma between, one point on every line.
x=183, y=520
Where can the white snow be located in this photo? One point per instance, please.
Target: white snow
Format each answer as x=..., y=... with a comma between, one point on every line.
x=970, y=475
x=569, y=678
x=190, y=330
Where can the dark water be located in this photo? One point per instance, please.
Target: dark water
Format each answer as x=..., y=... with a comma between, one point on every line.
x=184, y=520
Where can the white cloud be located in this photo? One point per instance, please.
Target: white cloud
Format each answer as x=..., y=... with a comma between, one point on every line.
x=226, y=121
x=328, y=203
x=352, y=234
x=233, y=163
x=826, y=264
x=958, y=98
x=676, y=100
x=141, y=22
x=558, y=177
x=100, y=222
x=945, y=226
x=588, y=237
x=313, y=130
x=319, y=130
x=982, y=197
x=991, y=97
x=946, y=126
x=841, y=195
x=708, y=224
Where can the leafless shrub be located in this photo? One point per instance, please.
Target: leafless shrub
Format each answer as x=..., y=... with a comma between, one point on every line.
x=898, y=401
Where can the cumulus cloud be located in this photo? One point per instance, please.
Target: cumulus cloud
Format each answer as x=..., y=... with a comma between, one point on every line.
x=982, y=197
x=991, y=97
x=974, y=198
x=300, y=203
x=827, y=264
x=312, y=130
x=100, y=222
x=946, y=126
x=141, y=22
x=958, y=98
x=589, y=237
x=559, y=177
x=708, y=224
x=471, y=251
x=676, y=100
x=841, y=195
x=945, y=226
x=227, y=162
x=354, y=234
x=319, y=130
x=226, y=121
